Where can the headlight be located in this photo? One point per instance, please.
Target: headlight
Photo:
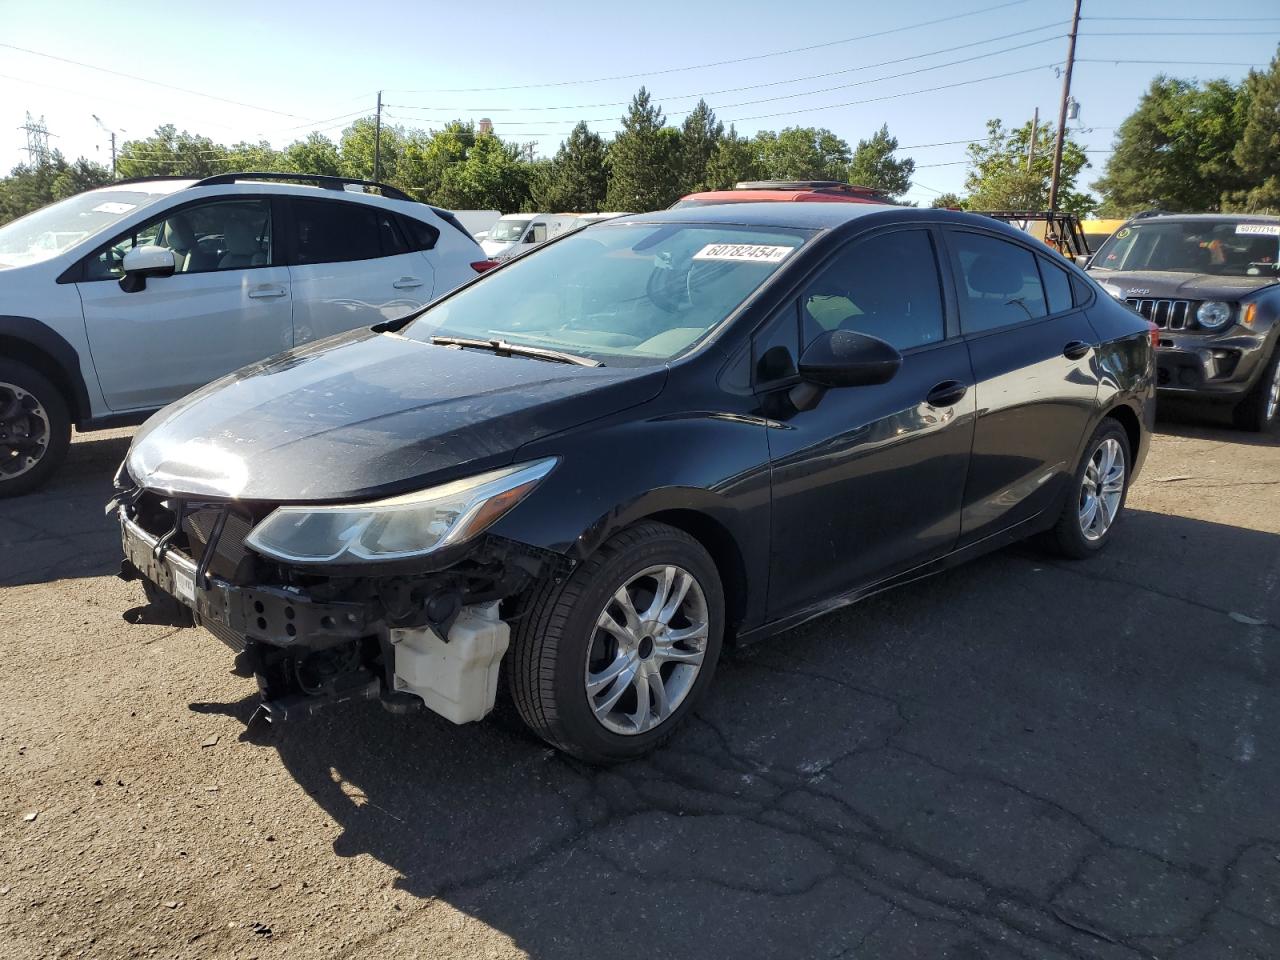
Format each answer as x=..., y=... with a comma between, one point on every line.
x=406, y=526
x=1213, y=314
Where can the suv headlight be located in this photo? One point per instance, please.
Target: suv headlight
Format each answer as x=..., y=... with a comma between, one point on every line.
x=1213, y=314
x=410, y=525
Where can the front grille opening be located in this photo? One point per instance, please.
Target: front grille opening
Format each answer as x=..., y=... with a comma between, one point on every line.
x=1165, y=314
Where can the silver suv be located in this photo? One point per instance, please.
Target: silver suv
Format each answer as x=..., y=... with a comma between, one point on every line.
x=118, y=301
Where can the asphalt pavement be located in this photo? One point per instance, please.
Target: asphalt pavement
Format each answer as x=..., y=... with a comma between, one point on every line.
x=1023, y=757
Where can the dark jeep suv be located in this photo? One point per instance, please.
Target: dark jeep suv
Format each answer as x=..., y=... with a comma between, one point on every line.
x=1211, y=283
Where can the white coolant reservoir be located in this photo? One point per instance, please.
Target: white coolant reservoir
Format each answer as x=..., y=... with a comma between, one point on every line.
x=457, y=679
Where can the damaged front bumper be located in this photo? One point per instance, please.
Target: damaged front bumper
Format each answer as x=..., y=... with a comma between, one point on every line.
x=435, y=638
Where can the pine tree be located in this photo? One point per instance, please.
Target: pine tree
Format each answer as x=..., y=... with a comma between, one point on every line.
x=700, y=135
x=644, y=169
x=577, y=178
x=1258, y=152
x=873, y=164
x=733, y=161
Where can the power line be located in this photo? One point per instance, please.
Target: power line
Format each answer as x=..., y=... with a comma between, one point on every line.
x=157, y=83
x=1184, y=19
x=895, y=96
x=1185, y=63
x=753, y=86
x=721, y=63
x=1171, y=33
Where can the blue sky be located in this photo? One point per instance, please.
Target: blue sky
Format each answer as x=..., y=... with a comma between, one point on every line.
x=279, y=70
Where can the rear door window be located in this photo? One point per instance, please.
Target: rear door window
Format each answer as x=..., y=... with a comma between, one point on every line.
x=1057, y=286
x=997, y=282
x=335, y=232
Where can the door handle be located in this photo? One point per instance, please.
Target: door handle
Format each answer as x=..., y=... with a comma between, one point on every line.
x=407, y=283
x=946, y=394
x=1076, y=349
x=267, y=293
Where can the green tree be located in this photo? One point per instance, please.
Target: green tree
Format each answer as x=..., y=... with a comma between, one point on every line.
x=1257, y=154
x=802, y=153
x=873, y=164
x=949, y=201
x=426, y=155
x=30, y=187
x=492, y=177
x=733, y=161
x=577, y=178
x=1176, y=150
x=257, y=157
x=644, y=171
x=168, y=153
x=700, y=135
x=357, y=150
x=999, y=178
x=316, y=154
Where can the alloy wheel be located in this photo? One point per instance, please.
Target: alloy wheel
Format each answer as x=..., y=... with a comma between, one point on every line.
x=1273, y=396
x=24, y=431
x=1101, y=489
x=647, y=649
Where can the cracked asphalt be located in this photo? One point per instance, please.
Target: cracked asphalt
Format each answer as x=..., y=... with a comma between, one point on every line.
x=1020, y=758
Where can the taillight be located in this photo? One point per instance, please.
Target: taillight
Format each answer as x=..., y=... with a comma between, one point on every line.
x=1155, y=334
x=480, y=266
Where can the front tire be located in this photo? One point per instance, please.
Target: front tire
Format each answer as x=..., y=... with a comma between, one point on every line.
x=1259, y=411
x=35, y=428
x=1098, y=491
x=606, y=663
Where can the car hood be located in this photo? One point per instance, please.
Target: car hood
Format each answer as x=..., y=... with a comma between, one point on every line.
x=366, y=415
x=493, y=248
x=1154, y=284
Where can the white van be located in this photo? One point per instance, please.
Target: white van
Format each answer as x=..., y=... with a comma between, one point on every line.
x=516, y=232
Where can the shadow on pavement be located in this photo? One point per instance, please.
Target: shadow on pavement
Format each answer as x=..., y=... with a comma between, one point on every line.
x=1022, y=757
x=59, y=531
x=1184, y=418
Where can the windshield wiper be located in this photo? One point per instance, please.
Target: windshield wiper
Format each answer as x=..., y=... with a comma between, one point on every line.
x=503, y=348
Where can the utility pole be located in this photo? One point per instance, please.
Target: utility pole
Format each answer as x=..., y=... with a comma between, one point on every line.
x=1062, y=111
x=1031, y=147
x=112, y=134
x=377, y=137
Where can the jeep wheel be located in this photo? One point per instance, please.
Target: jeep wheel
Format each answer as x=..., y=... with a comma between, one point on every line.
x=606, y=663
x=35, y=429
x=1260, y=410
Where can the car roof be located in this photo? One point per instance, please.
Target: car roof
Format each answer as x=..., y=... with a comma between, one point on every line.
x=168, y=186
x=1206, y=218
x=812, y=216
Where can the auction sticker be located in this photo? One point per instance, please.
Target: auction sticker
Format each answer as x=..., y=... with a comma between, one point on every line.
x=113, y=206
x=743, y=252
x=1259, y=229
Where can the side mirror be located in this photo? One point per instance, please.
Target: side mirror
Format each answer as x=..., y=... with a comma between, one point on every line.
x=146, y=261
x=1083, y=260
x=843, y=358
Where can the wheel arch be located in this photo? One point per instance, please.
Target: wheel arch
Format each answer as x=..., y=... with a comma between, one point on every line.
x=725, y=552
x=1125, y=416
x=26, y=340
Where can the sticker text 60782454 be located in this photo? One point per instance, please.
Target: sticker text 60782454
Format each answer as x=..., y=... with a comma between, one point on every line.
x=743, y=252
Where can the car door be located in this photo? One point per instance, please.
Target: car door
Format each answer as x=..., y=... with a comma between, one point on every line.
x=226, y=304
x=351, y=265
x=1033, y=354
x=868, y=482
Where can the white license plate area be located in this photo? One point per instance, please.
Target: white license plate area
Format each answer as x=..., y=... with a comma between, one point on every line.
x=184, y=584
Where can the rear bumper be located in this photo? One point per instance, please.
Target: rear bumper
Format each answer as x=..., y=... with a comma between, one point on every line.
x=277, y=616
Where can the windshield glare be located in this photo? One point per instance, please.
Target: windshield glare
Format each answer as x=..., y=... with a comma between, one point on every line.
x=50, y=230
x=1218, y=248
x=626, y=294
x=508, y=230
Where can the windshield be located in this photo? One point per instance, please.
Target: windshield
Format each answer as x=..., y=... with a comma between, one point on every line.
x=626, y=294
x=55, y=228
x=508, y=230
x=1216, y=247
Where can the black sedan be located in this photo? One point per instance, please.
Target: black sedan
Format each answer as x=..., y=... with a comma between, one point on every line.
x=1211, y=283
x=591, y=467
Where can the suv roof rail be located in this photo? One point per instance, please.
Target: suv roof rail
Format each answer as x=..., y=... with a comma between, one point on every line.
x=1143, y=214
x=328, y=183
x=169, y=176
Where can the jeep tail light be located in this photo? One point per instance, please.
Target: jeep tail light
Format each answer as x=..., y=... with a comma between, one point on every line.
x=480, y=266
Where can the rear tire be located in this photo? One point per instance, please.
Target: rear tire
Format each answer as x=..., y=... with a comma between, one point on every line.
x=35, y=428
x=579, y=685
x=1099, y=488
x=1259, y=411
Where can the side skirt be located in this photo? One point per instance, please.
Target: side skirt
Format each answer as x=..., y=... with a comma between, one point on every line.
x=1019, y=531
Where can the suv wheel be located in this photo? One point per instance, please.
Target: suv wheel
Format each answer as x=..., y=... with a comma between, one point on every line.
x=1260, y=410
x=1097, y=495
x=606, y=663
x=35, y=428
